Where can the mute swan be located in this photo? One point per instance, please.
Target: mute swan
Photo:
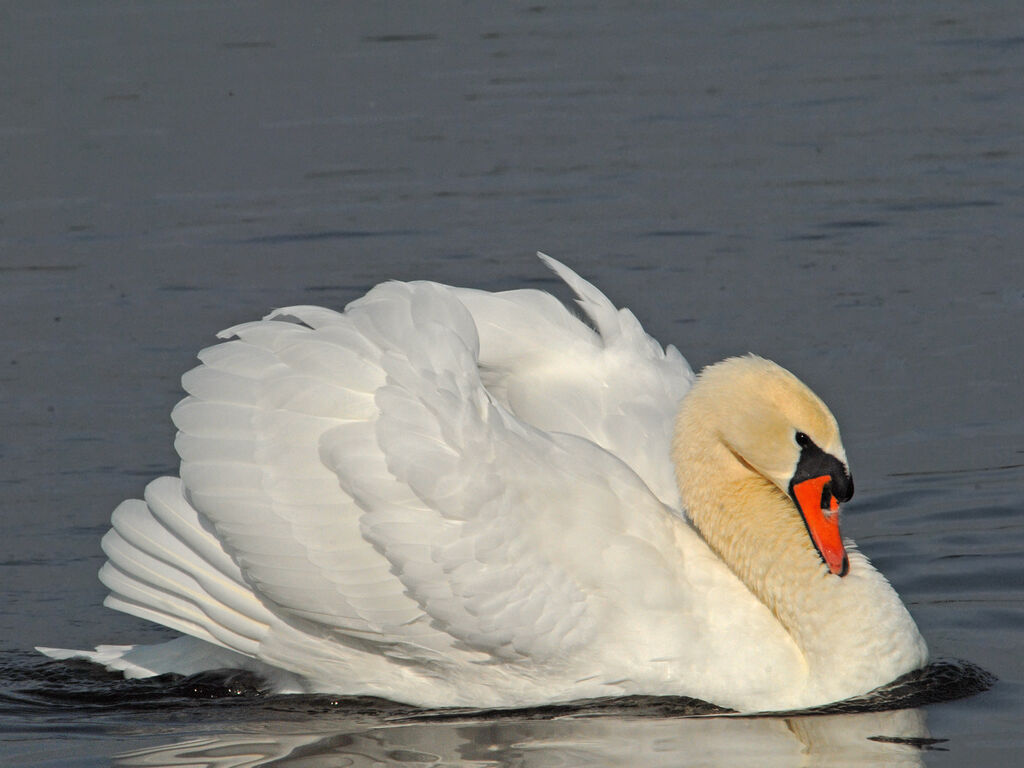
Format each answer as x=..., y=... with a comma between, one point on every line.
x=449, y=497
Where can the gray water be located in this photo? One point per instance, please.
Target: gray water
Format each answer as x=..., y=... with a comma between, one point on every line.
x=839, y=187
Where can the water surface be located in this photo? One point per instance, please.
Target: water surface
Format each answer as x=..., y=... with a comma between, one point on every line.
x=837, y=188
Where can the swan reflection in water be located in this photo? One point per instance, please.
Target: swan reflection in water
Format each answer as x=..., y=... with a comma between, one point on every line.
x=890, y=738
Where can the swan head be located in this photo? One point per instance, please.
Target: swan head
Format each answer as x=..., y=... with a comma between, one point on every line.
x=775, y=426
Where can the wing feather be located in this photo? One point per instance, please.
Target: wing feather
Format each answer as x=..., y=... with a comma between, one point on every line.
x=614, y=386
x=412, y=473
x=475, y=542
x=250, y=464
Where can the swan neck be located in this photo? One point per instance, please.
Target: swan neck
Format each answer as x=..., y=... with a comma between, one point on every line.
x=758, y=533
x=756, y=530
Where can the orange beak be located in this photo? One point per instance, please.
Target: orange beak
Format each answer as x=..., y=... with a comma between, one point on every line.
x=821, y=525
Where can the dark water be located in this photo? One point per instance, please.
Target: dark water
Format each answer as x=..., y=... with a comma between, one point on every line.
x=837, y=187
x=226, y=719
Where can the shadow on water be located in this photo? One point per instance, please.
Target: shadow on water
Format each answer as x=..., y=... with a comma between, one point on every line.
x=227, y=719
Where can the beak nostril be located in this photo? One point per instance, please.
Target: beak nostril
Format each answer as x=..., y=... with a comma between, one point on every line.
x=826, y=496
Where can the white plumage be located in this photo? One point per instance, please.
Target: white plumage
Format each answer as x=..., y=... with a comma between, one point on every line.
x=451, y=497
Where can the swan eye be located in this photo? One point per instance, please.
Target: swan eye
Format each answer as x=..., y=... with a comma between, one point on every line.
x=802, y=439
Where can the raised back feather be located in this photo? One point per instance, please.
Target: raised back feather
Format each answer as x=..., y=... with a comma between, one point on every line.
x=357, y=469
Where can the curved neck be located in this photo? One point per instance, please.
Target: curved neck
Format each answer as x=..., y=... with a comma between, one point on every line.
x=754, y=528
x=847, y=628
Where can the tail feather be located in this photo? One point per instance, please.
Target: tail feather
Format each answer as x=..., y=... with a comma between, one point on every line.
x=165, y=566
x=181, y=656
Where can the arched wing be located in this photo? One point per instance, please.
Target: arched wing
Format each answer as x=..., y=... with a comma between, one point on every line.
x=366, y=482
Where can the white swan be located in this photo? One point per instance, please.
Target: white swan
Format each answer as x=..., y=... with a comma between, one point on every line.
x=450, y=497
